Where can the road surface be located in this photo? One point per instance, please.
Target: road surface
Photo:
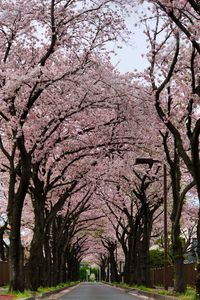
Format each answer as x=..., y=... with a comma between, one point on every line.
x=96, y=291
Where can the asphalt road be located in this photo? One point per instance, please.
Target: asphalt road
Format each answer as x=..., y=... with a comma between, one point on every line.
x=96, y=291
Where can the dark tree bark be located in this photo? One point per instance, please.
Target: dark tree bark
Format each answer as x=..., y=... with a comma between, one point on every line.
x=36, y=259
x=15, y=206
x=111, y=246
x=103, y=264
x=178, y=199
x=134, y=234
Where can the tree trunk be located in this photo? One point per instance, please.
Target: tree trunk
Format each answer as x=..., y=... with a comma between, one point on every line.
x=145, y=245
x=16, y=198
x=48, y=259
x=178, y=199
x=36, y=259
x=113, y=269
x=16, y=262
x=131, y=264
x=16, y=254
x=56, y=264
x=108, y=273
x=145, y=265
x=103, y=273
x=129, y=269
x=178, y=258
x=179, y=275
x=62, y=269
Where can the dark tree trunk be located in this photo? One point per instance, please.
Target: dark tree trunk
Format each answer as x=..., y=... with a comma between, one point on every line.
x=178, y=258
x=16, y=254
x=59, y=239
x=113, y=268
x=103, y=273
x=147, y=217
x=130, y=268
x=16, y=262
x=178, y=199
x=36, y=259
x=129, y=247
x=145, y=265
x=71, y=268
x=63, y=271
x=111, y=247
x=179, y=275
x=127, y=272
x=108, y=273
x=56, y=263
x=103, y=264
x=139, y=264
x=131, y=262
x=48, y=259
x=15, y=206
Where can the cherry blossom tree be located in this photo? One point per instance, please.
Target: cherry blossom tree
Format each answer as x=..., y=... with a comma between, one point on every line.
x=131, y=210
x=63, y=163
x=111, y=247
x=173, y=77
x=41, y=43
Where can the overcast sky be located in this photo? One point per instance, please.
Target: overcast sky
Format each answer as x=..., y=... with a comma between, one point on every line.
x=130, y=56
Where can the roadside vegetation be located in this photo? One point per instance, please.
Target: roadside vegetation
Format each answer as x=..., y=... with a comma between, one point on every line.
x=188, y=295
x=40, y=291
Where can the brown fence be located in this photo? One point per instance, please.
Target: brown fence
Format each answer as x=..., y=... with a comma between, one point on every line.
x=4, y=274
x=157, y=275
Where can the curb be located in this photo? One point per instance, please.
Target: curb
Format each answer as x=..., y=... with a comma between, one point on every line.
x=43, y=295
x=145, y=293
x=153, y=295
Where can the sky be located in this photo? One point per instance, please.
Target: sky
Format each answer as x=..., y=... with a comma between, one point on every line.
x=130, y=57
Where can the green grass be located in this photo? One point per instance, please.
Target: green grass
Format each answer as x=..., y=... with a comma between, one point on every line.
x=18, y=295
x=41, y=290
x=143, y=288
x=189, y=295
x=57, y=287
x=121, y=284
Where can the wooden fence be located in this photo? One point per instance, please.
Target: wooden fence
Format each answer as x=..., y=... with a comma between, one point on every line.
x=157, y=275
x=4, y=274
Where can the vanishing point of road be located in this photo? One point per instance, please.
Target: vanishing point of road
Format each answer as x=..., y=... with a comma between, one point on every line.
x=96, y=291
